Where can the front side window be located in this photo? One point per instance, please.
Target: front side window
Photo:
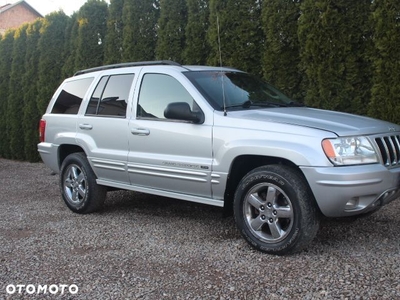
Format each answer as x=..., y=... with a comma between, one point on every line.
x=110, y=98
x=159, y=90
x=70, y=98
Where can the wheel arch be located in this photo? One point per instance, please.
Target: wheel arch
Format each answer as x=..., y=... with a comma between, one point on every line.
x=243, y=164
x=65, y=150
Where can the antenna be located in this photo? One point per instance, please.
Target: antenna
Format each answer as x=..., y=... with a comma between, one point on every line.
x=220, y=64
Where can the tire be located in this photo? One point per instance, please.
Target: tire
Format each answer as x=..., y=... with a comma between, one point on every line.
x=78, y=185
x=275, y=210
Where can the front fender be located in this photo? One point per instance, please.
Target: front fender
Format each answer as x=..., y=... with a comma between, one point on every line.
x=301, y=150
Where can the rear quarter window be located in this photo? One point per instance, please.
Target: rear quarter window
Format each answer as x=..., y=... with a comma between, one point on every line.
x=71, y=95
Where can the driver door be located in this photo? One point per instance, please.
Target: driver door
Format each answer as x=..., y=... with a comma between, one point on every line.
x=164, y=154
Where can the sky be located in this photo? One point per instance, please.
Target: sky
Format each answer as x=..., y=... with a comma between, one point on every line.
x=47, y=6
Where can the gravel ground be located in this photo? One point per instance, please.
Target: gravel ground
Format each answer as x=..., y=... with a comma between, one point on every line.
x=148, y=247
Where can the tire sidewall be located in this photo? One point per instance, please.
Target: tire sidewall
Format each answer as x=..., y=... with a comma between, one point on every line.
x=268, y=176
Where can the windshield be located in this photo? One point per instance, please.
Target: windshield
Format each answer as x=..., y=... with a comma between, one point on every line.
x=240, y=90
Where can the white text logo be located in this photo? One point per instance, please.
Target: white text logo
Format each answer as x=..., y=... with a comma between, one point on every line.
x=32, y=289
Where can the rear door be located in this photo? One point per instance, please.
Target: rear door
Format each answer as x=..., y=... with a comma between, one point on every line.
x=103, y=129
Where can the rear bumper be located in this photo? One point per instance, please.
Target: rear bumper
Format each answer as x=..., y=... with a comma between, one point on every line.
x=346, y=191
x=49, y=154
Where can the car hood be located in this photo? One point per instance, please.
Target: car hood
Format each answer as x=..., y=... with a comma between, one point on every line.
x=342, y=124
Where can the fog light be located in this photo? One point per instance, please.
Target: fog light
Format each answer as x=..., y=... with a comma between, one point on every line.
x=352, y=203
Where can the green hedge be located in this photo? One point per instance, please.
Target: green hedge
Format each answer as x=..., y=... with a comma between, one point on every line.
x=340, y=55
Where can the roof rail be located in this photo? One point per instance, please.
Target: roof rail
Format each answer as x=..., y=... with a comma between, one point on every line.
x=128, y=64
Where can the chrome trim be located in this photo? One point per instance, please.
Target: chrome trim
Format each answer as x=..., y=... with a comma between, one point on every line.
x=109, y=165
x=168, y=173
x=389, y=150
x=215, y=178
x=348, y=182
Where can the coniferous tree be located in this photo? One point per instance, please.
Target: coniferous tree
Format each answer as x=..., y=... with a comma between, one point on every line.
x=385, y=103
x=6, y=51
x=140, y=29
x=16, y=95
x=70, y=46
x=171, y=30
x=196, y=48
x=241, y=34
x=281, y=56
x=334, y=37
x=129, y=30
x=51, y=59
x=316, y=46
x=92, y=20
x=114, y=37
x=31, y=114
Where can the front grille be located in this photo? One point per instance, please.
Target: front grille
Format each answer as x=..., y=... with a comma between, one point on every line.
x=389, y=147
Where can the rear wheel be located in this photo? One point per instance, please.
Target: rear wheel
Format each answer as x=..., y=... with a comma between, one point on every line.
x=78, y=185
x=275, y=210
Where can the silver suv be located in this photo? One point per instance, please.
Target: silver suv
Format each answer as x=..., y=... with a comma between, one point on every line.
x=221, y=137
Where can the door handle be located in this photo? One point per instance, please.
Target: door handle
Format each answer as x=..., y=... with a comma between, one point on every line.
x=85, y=126
x=140, y=131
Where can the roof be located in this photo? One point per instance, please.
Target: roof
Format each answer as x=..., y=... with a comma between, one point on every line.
x=9, y=6
x=4, y=6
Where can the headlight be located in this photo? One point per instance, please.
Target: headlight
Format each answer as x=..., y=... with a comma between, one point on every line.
x=349, y=151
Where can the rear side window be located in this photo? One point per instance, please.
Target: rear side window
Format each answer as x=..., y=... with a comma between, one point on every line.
x=110, y=98
x=70, y=98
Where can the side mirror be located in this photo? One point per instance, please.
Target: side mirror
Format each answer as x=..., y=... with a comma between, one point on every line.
x=182, y=111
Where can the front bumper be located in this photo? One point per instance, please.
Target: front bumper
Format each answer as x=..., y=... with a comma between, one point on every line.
x=352, y=190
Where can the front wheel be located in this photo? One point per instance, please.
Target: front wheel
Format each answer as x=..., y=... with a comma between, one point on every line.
x=275, y=210
x=78, y=185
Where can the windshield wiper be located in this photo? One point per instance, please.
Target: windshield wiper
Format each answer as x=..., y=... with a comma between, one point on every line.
x=295, y=104
x=248, y=104
x=274, y=104
x=245, y=104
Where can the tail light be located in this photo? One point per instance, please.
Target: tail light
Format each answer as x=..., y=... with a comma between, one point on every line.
x=42, y=130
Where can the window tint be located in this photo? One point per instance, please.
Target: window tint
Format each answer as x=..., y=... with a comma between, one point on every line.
x=156, y=92
x=71, y=96
x=94, y=100
x=111, y=95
